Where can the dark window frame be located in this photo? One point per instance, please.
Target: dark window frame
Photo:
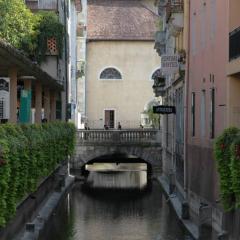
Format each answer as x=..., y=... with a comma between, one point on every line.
x=212, y=113
x=193, y=114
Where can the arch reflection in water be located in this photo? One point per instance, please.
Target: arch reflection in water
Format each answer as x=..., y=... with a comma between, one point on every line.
x=115, y=176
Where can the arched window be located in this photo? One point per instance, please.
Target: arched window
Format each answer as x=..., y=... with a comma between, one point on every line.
x=156, y=74
x=110, y=73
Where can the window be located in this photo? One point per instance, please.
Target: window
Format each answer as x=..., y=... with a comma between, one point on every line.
x=203, y=113
x=193, y=114
x=110, y=73
x=212, y=113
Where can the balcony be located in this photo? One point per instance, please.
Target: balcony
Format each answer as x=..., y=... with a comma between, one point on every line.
x=160, y=42
x=42, y=4
x=176, y=24
x=159, y=85
x=176, y=6
x=170, y=7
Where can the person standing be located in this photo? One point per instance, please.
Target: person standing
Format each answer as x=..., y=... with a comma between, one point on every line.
x=119, y=126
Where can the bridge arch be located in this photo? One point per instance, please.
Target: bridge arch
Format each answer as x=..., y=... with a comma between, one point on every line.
x=94, y=144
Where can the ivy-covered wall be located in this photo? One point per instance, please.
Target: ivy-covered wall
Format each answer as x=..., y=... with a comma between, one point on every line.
x=28, y=153
x=227, y=155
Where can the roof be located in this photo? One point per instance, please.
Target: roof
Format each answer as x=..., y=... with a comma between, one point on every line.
x=120, y=20
x=11, y=57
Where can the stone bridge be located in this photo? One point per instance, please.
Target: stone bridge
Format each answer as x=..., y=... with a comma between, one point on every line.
x=144, y=144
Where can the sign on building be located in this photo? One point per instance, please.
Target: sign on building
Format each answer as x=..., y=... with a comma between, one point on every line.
x=4, y=98
x=169, y=64
x=161, y=109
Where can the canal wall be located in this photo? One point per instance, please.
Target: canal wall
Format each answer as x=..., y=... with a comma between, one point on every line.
x=230, y=220
x=35, y=228
x=29, y=207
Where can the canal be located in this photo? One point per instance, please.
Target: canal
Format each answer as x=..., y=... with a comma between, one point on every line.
x=115, y=205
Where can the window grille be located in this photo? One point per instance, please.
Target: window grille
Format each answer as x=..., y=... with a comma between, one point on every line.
x=1, y=109
x=110, y=73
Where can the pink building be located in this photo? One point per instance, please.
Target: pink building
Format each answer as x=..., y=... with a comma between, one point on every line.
x=206, y=104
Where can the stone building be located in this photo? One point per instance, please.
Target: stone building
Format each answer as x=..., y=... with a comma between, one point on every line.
x=120, y=61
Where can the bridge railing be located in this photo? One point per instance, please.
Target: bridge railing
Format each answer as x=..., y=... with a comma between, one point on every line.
x=119, y=136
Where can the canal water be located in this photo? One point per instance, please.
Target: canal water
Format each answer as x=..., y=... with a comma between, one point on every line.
x=115, y=206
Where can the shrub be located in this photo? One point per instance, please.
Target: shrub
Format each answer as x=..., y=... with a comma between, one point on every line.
x=29, y=153
x=222, y=154
x=235, y=169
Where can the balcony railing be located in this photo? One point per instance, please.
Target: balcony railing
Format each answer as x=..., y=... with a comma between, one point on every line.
x=234, y=44
x=170, y=6
x=159, y=85
x=42, y=4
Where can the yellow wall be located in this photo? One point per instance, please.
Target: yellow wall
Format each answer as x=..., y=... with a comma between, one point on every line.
x=136, y=60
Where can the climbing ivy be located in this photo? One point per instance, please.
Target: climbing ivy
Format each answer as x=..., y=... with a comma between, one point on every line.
x=222, y=154
x=29, y=153
x=48, y=27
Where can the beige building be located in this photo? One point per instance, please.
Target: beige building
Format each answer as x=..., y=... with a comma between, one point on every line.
x=120, y=62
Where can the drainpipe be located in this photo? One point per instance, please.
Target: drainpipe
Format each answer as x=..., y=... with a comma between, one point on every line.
x=66, y=59
x=186, y=123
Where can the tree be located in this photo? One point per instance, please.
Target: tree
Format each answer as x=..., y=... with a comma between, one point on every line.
x=153, y=117
x=17, y=22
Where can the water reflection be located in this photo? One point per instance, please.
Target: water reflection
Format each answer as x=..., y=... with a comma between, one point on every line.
x=114, y=215
x=117, y=176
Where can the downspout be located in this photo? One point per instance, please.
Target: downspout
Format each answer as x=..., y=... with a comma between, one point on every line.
x=66, y=61
x=186, y=123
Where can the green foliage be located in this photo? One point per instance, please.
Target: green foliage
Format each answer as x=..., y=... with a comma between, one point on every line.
x=153, y=117
x=27, y=31
x=29, y=153
x=16, y=21
x=48, y=27
x=235, y=169
x=222, y=152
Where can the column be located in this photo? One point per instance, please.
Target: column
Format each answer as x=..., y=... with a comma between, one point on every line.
x=47, y=103
x=53, y=106
x=27, y=84
x=38, y=102
x=13, y=95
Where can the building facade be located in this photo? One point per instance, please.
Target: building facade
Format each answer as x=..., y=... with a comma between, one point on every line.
x=171, y=41
x=120, y=62
x=63, y=68
x=207, y=105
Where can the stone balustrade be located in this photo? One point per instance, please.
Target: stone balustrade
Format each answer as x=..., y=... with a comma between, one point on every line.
x=119, y=136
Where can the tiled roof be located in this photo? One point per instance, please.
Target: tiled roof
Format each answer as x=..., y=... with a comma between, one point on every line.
x=120, y=20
